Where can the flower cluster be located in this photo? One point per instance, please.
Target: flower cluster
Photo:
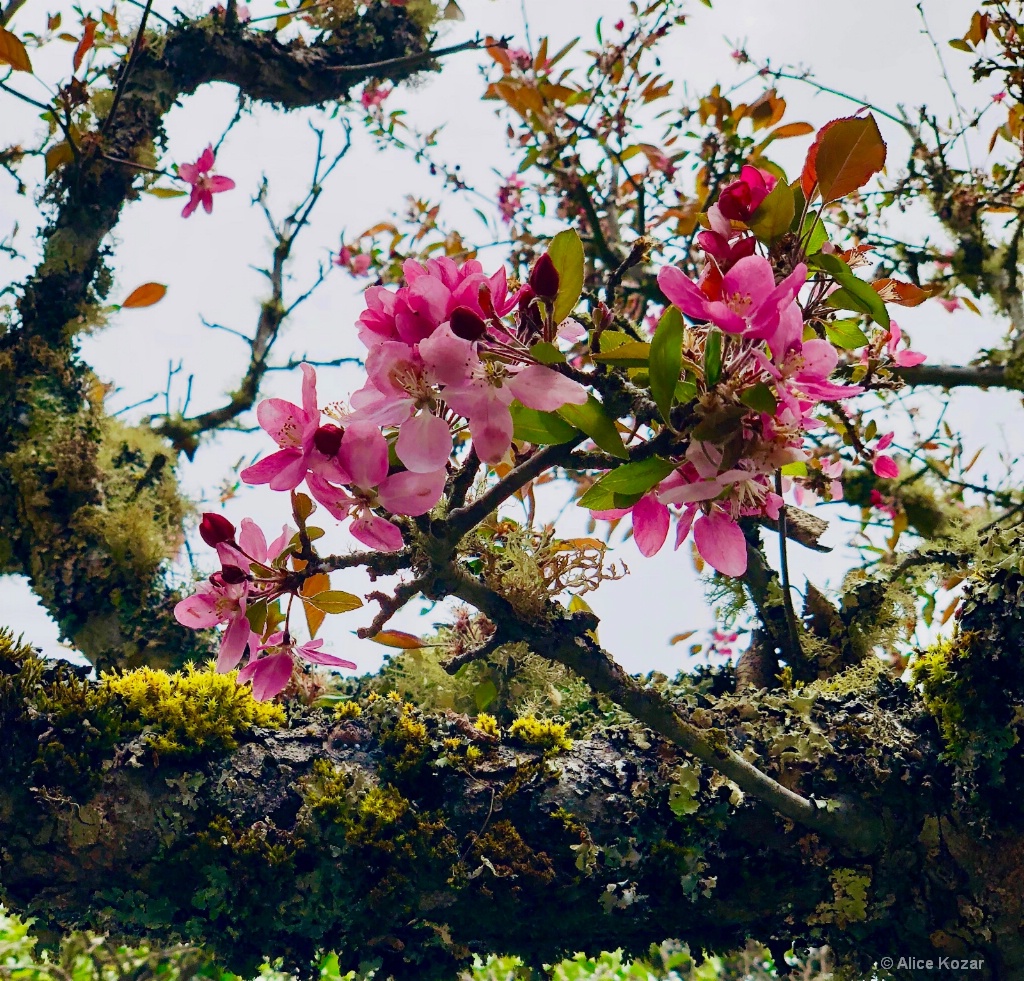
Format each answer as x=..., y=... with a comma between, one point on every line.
x=758, y=408
x=441, y=354
x=250, y=575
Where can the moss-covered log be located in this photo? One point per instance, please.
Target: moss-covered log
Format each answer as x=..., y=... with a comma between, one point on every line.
x=175, y=807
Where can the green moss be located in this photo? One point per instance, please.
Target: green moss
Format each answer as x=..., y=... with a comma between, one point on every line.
x=541, y=733
x=851, y=899
x=189, y=712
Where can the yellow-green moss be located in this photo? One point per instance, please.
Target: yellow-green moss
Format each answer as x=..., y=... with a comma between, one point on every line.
x=190, y=711
x=347, y=710
x=851, y=899
x=542, y=733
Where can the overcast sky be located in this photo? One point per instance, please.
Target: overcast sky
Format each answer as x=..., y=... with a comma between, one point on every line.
x=875, y=50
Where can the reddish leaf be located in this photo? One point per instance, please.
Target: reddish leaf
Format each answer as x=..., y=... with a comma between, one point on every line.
x=846, y=153
x=902, y=294
x=399, y=638
x=13, y=53
x=144, y=296
x=88, y=40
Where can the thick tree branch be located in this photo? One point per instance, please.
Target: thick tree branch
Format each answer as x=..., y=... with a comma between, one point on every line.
x=960, y=376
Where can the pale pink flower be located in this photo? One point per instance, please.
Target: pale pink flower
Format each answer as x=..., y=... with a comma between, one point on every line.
x=270, y=674
x=204, y=183
x=374, y=95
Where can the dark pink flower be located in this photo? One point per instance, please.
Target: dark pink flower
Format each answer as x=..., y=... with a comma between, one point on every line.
x=740, y=199
x=204, y=183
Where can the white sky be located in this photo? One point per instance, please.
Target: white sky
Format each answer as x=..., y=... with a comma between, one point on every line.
x=875, y=50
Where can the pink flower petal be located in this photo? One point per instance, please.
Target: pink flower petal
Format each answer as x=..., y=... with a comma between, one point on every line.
x=721, y=544
x=267, y=469
x=424, y=443
x=885, y=467
x=364, y=454
x=232, y=644
x=546, y=389
x=412, y=493
x=650, y=524
x=198, y=611
x=270, y=676
x=376, y=532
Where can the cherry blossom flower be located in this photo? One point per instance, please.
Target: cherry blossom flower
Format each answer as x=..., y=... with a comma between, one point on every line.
x=482, y=391
x=740, y=199
x=271, y=673
x=224, y=597
x=373, y=95
x=204, y=183
x=364, y=454
x=510, y=198
x=305, y=445
x=358, y=264
x=904, y=358
x=746, y=301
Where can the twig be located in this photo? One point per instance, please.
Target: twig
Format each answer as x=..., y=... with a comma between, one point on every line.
x=122, y=82
x=411, y=61
x=463, y=519
x=787, y=596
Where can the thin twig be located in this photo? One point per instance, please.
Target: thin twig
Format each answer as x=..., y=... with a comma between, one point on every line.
x=122, y=82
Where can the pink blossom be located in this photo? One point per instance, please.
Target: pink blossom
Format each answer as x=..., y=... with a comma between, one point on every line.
x=373, y=95
x=305, y=445
x=483, y=391
x=905, y=358
x=740, y=199
x=364, y=454
x=270, y=674
x=748, y=301
x=358, y=264
x=883, y=504
x=510, y=198
x=224, y=597
x=950, y=303
x=204, y=183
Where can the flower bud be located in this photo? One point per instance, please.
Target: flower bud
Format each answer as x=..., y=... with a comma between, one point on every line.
x=466, y=324
x=544, y=278
x=327, y=439
x=232, y=575
x=215, y=528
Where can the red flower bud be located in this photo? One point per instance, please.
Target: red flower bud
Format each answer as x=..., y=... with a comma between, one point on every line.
x=466, y=324
x=215, y=528
x=544, y=278
x=327, y=439
x=232, y=575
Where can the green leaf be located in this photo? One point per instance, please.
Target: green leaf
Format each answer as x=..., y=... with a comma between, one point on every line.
x=666, y=360
x=760, y=398
x=713, y=358
x=685, y=391
x=256, y=614
x=546, y=353
x=334, y=601
x=632, y=478
x=484, y=694
x=774, y=215
x=566, y=251
x=599, y=498
x=797, y=469
x=854, y=294
x=817, y=237
x=632, y=354
x=594, y=421
x=543, y=428
x=846, y=334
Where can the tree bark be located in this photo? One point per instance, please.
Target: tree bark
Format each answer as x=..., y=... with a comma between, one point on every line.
x=419, y=840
